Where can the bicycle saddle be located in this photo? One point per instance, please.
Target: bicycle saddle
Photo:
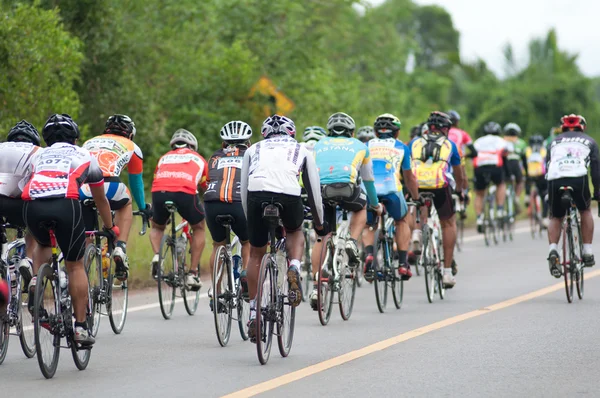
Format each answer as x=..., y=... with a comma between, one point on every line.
x=225, y=219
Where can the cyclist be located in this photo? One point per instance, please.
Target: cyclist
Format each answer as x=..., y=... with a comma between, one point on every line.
x=270, y=174
x=365, y=134
x=312, y=135
x=391, y=159
x=52, y=196
x=571, y=155
x=461, y=138
x=341, y=158
x=15, y=161
x=551, y=135
x=516, y=159
x=115, y=150
x=491, y=156
x=437, y=166
x=177, y=176
x=535, y=154
x=222, y=196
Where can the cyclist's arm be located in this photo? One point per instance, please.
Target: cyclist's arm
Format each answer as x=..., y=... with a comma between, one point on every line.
x=472, y=151
x=524, y=161
x=458, y=168
x=410, y=181
x=312, y=185
x=135, y=168
x=244, y=181
x=203, y=181
x=368, y=178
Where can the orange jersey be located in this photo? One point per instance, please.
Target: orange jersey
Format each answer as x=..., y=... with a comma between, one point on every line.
x=180, y=170
x=114, y=153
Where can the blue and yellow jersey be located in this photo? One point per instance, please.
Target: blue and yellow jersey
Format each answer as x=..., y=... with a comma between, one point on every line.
x=339, y=159
x=536, y=161
x=434, y=173
x=390, y=156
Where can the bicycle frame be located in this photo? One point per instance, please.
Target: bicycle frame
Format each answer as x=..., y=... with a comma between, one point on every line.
x=14, y=297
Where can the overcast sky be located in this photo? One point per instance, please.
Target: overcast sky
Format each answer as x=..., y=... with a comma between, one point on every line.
x=485, y=26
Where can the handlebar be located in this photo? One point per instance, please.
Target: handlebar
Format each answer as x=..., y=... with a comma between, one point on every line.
x=145, y=221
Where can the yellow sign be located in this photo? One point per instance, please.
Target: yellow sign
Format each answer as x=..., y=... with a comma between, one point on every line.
x=283, y=105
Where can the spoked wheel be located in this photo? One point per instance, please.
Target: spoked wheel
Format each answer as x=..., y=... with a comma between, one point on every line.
x=191, y=298
x=578, y=251
x=243, y=313
x=93, y=268
x=488, y=231
x=440, y=282
x=118, y=299
x=222, y=288
x=286, y=317
x=359, y=271
x=307, y=280
x=566, y=265
x=325, y=287
x=397, y=284
x=4, y=325
x=166, y=277
x=381, y=287
x=26, y=333
x=348, y=284
x=427, y=260
x=47, y=343
x=81, y=355
x=459, y=231
x=265, y=310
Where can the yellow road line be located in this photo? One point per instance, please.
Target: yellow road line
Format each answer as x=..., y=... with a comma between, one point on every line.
x=382, y=345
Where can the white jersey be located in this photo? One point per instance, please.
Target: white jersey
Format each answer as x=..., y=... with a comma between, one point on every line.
x=15, y=162
x=570, y=155
x=490, y=149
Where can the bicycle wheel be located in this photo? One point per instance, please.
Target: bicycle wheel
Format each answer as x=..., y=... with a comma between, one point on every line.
x=440, y=282
x=286, y=317
x=81, y=355
x=358, y=272
x=265, y=311
x=533, y=213
x=381, y=287
x=578, y=254
x=47, y=340
x=166, y=277
x=347, y=291
x=459, y=231
x=243, y=312
x=4, y=325
x=325, y=284
x=566, y=263
x=397, y=284
x=25, y=328
x=93, y=268
x=191, y=298
x=222, y=287
x=307, y=268
x=118, y=300
x=427, y=260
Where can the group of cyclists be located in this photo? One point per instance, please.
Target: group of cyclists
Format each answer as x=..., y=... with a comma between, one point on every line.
x=365, y=171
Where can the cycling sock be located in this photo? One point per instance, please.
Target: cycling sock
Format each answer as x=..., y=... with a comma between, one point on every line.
x=402, y=255
x=295, y=263
x=122, y=245
x=369, y=250
x=587, y=248
x=554, y=246
x=81, y=324
x=447, y=271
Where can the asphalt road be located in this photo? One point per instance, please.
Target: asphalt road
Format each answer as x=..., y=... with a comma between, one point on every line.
x=506, y=329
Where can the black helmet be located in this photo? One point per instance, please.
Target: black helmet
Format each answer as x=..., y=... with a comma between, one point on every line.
x=120, y=125
x=60, y=128
x=438, y=121
x=415, y=131
x=536, y=140
x=387, y=125
x=454, y=116
x=492, y=128
x=24, y=132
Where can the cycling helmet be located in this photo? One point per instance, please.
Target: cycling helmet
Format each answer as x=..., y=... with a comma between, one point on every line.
x=236, y=131
x=387, y=124
x=120, y=125
x=60, y=128
x=573, y=122
x=492, y=128
x=424, y=128
x=182, y=138
x=454, y=117
x=512, y=129
x=24, y=132
x=536, y=140
x=278, y=124
x=365, y=133
x=415, y=131
x=340, y=124
x=314, y=133
x=439, y=122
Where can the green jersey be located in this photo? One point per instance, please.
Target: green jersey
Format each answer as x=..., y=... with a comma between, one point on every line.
x=516, y=149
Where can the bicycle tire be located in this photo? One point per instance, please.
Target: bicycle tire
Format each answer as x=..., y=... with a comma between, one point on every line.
x=166, y=277
x=81, y=356
x=567, y=268
x=460, y=227
x=427, y=260
x=4, y=324
x=45, y=298
x=118, y=301
x=325, y=290
x=487, y=224
x=397, y=285
x=93, y=268
x=307, y=268
x=222, y=289
x=243, y=313
x=287, y=313
x=578, y=247
x=265, y=301
x=26, y=334
x=440, y=282
x=380, y=284
x=533, y=213
x=347, y=291
x=191, y=298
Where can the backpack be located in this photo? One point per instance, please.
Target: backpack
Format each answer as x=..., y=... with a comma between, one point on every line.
x=432, y=147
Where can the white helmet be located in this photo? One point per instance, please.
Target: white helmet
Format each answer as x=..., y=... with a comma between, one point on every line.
x=314, y=133
x=236, y=131
x=341, y=124
x=277, y=124
x=365, y=133
x=182, y=138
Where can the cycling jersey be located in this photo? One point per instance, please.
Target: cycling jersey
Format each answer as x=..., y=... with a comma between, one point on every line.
x=432, y=173
x=180, y=170
x=389, y=156
x=516, y=148
x=490, y=151
x=59, y=170
x=114, y=153
x=460, y=137
x=570, y=155
x=224, y=175
x=15, y=162
x=536, y=161
x=341, y=159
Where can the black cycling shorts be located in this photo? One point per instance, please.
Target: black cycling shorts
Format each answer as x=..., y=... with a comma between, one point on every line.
x=188, y=206
x=443, y=202
x=355, y=200
x=292, y=215
x=581, y=194
x=12, y=210
x=218, y=208
x=484, y=174
x=69, y=228
x=514, y=169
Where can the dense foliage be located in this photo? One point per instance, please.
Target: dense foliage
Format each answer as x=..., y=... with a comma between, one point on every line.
x=193, y=63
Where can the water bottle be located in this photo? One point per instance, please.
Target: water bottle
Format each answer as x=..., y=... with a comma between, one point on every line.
x=63, y=279
x=237, y=260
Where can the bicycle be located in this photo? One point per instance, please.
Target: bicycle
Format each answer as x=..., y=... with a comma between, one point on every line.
x=535, y=213
x=106, y=288
x=386, y=275
x=275, y=314
x=227, y=289
x=491, y=230
x=53, y=314
x=307, y=273
x=432, y=253
x=461, y=215
x=15, y=317
x=336, y=274
x=508, y=221
x=171, y=273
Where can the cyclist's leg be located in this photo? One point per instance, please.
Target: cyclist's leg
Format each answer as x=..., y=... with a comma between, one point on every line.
x=481, y=183
x=191, y=210
x=358, y=206
x=498, y=178
x=369, y=242
x=542, y=188
x=13, y=210
x=397, y=209
x=583, y=199
x=159, y=221
x=217, y=231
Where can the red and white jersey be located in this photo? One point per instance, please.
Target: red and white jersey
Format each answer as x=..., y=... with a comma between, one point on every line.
x=460, y=137
x=180, y=170
x=59, y=170
x=15, y=166
x=490, y=150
